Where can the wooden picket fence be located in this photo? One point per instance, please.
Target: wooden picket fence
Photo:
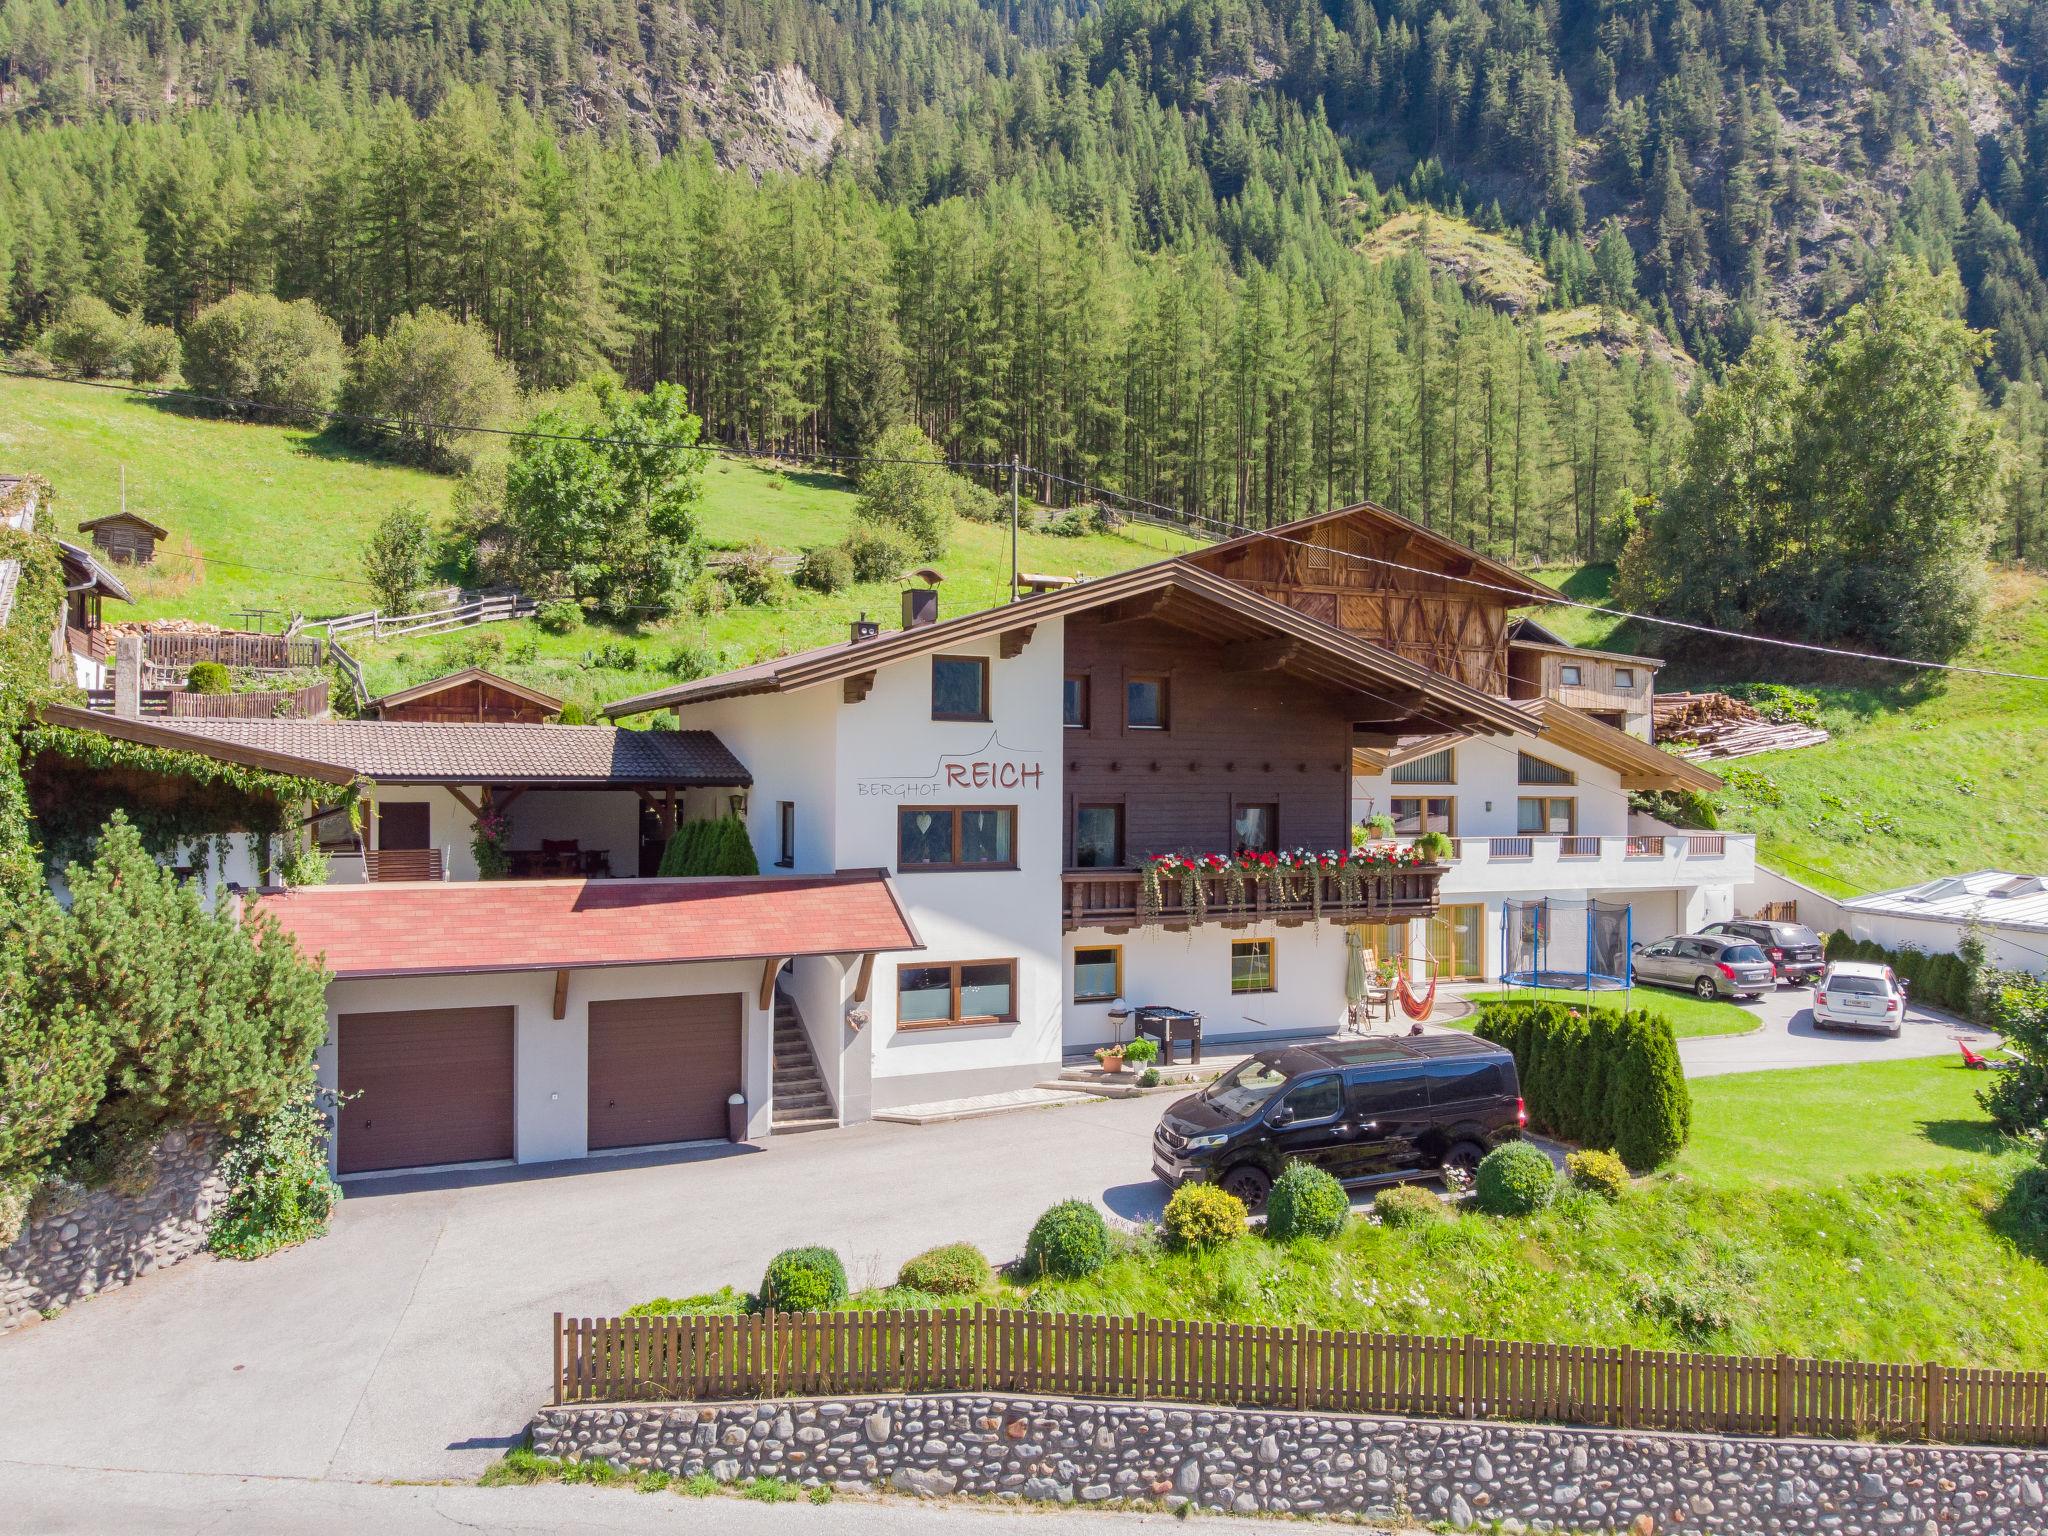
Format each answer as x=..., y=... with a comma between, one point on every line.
x=987, y=1349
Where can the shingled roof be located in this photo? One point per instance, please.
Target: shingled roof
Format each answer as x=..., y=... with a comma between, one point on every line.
x=408, y=752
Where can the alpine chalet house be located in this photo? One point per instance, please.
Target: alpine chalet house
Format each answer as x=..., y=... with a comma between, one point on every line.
x=1019, y=771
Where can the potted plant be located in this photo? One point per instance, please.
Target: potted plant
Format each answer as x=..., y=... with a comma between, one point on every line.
x=1379, y=826
x=1110, y=1058
x=1141, y=1052
x=1435, y=847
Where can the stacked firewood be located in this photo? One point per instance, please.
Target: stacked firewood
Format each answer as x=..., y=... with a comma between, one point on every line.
x=1704, y=727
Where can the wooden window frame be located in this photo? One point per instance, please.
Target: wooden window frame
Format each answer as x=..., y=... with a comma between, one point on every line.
x=1624, y=679
x=956, y=866
x=1272, y=968
x=953, y=1020
x=980, y=662
x=1547, y=801
x=1448, y=754
x=1422, y=817
x=1522, y=761
x=1571, y=674
x=1087, y=701
x=1122, y=831
x=1165, y=682
x=1237, y=805
x=1115, y=991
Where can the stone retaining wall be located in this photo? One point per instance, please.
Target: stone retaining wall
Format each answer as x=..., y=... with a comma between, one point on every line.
x=77, y=1243
x=1247, y=1461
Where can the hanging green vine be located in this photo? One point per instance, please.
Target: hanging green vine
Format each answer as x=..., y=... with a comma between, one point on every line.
x=38, y=583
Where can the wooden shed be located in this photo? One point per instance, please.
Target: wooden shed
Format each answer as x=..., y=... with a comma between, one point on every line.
x=125, y=538
x=469, y=696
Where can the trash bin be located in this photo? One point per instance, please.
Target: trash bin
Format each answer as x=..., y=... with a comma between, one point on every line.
x=736, y=1117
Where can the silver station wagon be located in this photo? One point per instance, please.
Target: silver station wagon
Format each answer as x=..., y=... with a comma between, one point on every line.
x=1706, y=965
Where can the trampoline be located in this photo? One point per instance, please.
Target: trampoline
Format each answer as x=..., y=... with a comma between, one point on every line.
x=1580, y=946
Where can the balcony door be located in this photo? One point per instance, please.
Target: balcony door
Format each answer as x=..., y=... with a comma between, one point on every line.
x=1457, y=942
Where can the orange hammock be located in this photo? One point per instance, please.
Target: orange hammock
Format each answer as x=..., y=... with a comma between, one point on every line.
x=1417, y=1007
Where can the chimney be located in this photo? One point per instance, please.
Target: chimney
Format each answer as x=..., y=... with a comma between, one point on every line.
x=128, y=677
x=863, y=628
x=920, y=607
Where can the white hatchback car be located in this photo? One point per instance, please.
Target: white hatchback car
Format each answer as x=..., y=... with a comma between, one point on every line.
x=1855, y=994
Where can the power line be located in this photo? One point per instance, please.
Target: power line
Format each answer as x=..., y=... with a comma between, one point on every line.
x=1560, y=598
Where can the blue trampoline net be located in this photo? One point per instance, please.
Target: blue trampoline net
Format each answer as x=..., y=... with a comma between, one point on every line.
x=1576, y=945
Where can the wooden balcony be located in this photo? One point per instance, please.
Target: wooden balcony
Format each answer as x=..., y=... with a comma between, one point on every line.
x=1113, y=899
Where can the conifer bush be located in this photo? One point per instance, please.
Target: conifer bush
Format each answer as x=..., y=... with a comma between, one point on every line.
x=1306, y=1201
x=713, y=846
x=1597, y=1076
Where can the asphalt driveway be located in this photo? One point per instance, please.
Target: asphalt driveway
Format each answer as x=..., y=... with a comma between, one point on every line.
x=412, y=1343
x=1787, y=1037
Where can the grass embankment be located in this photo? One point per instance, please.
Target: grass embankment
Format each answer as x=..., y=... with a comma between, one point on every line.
x=275, y=518
x=1687, y=1015
x=1925, y=775
x=1844, y=1212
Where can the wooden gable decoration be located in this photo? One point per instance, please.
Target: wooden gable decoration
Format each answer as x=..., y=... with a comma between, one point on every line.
x=471, y=696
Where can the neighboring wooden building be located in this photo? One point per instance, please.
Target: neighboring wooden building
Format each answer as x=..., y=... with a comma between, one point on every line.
x=471, y=696
x=1613, y=687
x=125, y=538
x=1376, y=575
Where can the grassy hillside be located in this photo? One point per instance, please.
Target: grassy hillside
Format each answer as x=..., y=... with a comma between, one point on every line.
x=1926, y=774
x=274, y=518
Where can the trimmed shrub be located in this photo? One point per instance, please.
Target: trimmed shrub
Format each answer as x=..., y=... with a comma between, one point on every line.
x=825, y=568
x=956, y=1269
x=803, y=1280
x=559, y=616
x=877, y=554
x=1306, y=1201
x=1069, y=1242
x=1202, y=1216
x=1409, y=1205
x=1597, y=1076
x=714, y=846
x=1515, y=1179
x=1601, y=1172
x=208, y=677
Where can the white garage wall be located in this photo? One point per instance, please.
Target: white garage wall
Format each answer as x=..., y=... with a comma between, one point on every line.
x=1192, y=970
x=551, y=1083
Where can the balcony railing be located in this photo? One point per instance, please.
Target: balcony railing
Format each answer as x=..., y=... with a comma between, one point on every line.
x=381, y=864
x=1114, y=899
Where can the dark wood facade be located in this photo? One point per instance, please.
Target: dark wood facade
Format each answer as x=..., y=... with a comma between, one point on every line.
x=1325, y=567
x=1234, y=737
x=467, y=701
x=124, y=538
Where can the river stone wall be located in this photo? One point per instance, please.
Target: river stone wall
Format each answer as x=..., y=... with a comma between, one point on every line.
x=78, y=1242
x=1244, y=1461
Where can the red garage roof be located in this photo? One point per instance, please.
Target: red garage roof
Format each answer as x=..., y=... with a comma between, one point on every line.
x=441, y=927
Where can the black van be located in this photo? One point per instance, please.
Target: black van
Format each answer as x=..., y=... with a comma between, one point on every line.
x=1367, y=1110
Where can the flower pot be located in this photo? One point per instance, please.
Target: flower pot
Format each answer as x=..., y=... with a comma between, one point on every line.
x=1112, y=1061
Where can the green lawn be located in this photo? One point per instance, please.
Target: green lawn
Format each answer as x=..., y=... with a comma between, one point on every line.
x=1688, y=1016
x=1925, y=775
x=1824, y=1124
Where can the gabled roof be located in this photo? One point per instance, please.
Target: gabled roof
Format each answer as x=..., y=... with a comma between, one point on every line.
x=444, y=927
x=1530, y=635
x=81, y=566
x=1640, y=765
x=112, y=518
x=1172, y=591
x=434, y=685
x=405, y=752
x=1421, y=547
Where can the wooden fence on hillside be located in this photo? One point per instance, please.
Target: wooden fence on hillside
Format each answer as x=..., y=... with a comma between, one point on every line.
x=835, y=1354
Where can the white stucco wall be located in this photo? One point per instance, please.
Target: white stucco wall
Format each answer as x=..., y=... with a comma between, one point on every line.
x=551, y=1080
x=790, y=744
x=1192, y=970
x=1487, y=788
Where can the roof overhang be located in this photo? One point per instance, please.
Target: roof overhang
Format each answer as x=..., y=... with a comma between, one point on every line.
x=434, y=685
x=112, y=518
x=1171, y=593
x=148, y=733
x=95, y=575
x=1641, y=765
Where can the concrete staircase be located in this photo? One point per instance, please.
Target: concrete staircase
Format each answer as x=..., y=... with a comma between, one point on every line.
x=801, y=1103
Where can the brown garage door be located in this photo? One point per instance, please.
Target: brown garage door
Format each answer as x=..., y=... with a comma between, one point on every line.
x=425, y=1086
x=661, y=1068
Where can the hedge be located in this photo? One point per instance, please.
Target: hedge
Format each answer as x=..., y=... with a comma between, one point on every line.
x=1598, y=1077
x=719, y=846
x=1944, y=981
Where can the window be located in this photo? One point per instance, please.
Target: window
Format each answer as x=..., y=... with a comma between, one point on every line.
x=972, y=992
x=1374, y=1096
x=1534, y=770
x=1317, y=1099
x=785, y=833
x=1417, y=814
x=956, y=837
x=1075, y=705
x=1098, y=974
x=1251, y=965
x=1624, y=679
x=1255, y=829
x=1099, y=837
x=959, y=687
x=1145, y=703
x=1456, y=1080
x=1543, y=815
x=1568, y=674
x=1437, y=768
